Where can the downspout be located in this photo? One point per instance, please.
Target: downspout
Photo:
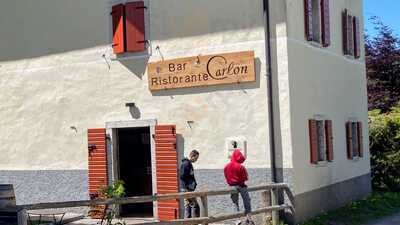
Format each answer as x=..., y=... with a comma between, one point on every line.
x=277, y=196
x=270, y=92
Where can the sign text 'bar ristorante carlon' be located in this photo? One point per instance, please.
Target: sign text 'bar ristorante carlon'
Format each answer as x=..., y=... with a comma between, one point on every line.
x=228, y=68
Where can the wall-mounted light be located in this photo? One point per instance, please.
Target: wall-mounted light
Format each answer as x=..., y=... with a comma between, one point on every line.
x=190, y=122
x=105, y=59
x=130, y=104
x=74, y=128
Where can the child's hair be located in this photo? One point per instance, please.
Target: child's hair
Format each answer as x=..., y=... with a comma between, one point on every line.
x=194, y=152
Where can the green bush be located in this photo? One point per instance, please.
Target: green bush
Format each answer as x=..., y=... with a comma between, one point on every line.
x=384, y=135
x=114, y=190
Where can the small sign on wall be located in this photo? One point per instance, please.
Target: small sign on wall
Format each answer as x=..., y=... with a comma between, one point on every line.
x=228, y=68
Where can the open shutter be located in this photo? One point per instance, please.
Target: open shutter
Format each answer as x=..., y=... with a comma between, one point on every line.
x=344, y=31
x=308, y=19
x=350, y=35
x=167, y=171
x=329, y=140
x=349, y=140
x=117, y=14
x=360, y=139
x=357, y=37
x=326, y=32
x=97, y=159
x=312, y=126
x=135, y=40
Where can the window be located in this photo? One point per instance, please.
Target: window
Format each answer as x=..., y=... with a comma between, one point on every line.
x=321, y=140
x=351, y=35
x=128, y=27
x=316, y=21
x=317, y=24
x=321, y=144
x=354, y=139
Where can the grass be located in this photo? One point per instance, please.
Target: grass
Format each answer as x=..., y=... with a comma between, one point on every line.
x=375, y=206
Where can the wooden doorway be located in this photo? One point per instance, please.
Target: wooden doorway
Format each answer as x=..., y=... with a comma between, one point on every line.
x=134, y=162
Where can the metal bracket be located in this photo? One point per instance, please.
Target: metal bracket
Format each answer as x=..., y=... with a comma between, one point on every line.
x=92, y=147
x=145, y=41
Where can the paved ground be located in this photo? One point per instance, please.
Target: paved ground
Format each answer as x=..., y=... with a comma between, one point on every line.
x=97, y=222
x=391, y=220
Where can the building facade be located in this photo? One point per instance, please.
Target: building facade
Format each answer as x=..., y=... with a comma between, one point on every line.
x=78, y=110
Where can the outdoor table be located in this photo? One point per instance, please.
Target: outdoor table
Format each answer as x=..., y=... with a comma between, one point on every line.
x=55, y=216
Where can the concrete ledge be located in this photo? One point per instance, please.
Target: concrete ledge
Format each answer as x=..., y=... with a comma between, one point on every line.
x=331, y=197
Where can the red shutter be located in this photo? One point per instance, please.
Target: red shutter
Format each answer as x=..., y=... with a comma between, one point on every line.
x=167, y=170
x=312, y=126
x=344, y=31
x=360, y=139
x=350, y=35
x=97, y=159
x=308, y=19
x=357, y=37
x=117, y=14
x=135, y=40
x=326, y=32
x=329, y=140
x=349, y=140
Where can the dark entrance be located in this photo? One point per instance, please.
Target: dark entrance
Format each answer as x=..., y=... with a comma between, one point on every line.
x=135, y=169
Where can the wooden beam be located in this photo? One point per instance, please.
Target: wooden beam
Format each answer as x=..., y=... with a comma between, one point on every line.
x=204, y=210
x=145, y=199
x=211, y=219
x=22, y=217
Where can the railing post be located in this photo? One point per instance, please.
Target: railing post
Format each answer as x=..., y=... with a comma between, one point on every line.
x=22, y=217
x=274, y=202
x=266, y=199
x=204, y=210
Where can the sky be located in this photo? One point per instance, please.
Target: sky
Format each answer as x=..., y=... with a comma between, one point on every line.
x=387, y=10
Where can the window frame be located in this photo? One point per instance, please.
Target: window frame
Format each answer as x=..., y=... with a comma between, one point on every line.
x=356, y=143
x=323, y=156
x=317, y=32
x=321, y=137
x=352, y=45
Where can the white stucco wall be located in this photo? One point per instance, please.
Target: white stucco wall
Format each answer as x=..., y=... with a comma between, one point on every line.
x=53, y=77
x=280, y=83
x=324, y=82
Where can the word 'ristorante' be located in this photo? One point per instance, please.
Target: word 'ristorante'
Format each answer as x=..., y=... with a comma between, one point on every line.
x=226, y=68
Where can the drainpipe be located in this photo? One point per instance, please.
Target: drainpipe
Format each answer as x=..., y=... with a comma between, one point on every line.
x=276, y=176
x=270, y=92
x=276, y=195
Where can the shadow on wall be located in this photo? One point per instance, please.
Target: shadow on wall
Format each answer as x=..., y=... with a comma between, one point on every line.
x=194, y=18
x=209, y=89
x=42, y=27
x=134, y=111
x=136, y=66
x=45, y=27
x=180, y=145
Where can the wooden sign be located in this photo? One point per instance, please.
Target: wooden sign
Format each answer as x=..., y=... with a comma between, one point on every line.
x=229, y=68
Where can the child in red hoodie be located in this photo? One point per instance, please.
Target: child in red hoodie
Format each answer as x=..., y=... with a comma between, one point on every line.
x=236, y=176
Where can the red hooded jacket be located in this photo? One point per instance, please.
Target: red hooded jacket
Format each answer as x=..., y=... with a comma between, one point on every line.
x=235, y=173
